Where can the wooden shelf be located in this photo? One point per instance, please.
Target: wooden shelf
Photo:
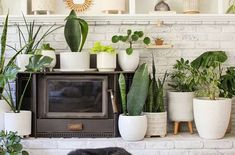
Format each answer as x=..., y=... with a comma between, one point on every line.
x=167, y=46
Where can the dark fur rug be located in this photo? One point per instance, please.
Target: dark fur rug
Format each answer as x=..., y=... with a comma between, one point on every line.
x=104, y=151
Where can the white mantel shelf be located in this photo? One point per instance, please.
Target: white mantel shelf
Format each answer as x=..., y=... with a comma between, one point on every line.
x=104, y=19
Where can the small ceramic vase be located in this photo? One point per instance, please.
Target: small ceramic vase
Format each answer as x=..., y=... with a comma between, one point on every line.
x=162, y=6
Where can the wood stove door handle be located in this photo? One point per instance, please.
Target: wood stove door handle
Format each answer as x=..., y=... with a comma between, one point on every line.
x=75, y=127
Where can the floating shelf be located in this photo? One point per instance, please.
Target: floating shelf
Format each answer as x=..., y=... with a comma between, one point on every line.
x=167, y=46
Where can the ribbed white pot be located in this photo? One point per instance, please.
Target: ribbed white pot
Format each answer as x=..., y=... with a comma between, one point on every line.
x=18, y=122
x=113, y=5
x=4, y=107
x=128, y=62
x=212, y=117
x=50, y=53
x=132, y=128
x=23, y=60
x=180, y=106
x=43, y=5
x=157, y=124
x=106, y=61
x=75, y=61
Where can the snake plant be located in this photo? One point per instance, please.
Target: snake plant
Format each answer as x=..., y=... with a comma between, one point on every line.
x=75, y=32
x=134, y=101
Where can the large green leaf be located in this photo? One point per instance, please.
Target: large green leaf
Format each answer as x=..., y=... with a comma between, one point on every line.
x=37, y=63
x=138, y=92
x=122, y=87
x=84, y=30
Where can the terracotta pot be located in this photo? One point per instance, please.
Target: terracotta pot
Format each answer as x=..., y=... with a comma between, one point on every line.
x=159, y=42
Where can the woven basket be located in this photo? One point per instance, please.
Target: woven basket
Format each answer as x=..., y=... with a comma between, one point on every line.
x=191, y=6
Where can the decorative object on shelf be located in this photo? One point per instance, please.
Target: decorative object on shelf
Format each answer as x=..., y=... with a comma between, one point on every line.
x=106, y=57
x=78, y=5
x=211, y=112
x=154, y=107
x=43, y=6
x=75, y=32
x=180, y=101
x=191, y=6
x=133, y=123
x=113, y=6
x=159, y=41
x=162, y=6
x=129, y=59
x=231, y=8
x=10, y=144
x=47, y=50
x=154, y=46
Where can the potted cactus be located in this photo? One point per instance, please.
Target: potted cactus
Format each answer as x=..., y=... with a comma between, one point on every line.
x=155, y=108
x=75, y=32
x=129, y=59
x=133, y=123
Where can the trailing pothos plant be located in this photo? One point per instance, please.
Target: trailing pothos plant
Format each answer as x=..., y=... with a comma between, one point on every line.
x=207, y=73
x=133, y=102
x=182, y=76
x=155, y=100
x=10, y=144
x=36, y=64
x=130, y=39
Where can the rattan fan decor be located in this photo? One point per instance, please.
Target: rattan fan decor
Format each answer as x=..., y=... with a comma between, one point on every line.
x=78, y=5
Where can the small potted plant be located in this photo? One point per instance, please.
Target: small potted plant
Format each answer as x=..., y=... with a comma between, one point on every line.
x=75, y=32
x=211, y=112
x=106, y=57
x=129, y=59
x=159, y=41
x=154, y=107
x=133, y=123
x=180, y=100
x=47, y=50
x=18, y=120
x=32, y=43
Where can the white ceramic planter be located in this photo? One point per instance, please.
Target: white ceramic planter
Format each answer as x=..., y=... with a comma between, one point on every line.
x=50, y=53
x=212, y=117
x=75, y=61
x=106, y=61
x=128, y=62
x=180, y=106
x=43, y=5
x=113, y=5
x=23, y=60
x=157, y=124
x=4, y=107
x=18, y=122
x=132, y=128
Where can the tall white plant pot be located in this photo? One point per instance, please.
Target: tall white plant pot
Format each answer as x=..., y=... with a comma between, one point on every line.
x=50, y=53
x=128, y=62
x=106, y=61
x=19, y=122
x=180, y=106
x=212, y=117
x=4, y=107
x=23, y=60
x=132, y=128
x=157, y=124
x=75, y=61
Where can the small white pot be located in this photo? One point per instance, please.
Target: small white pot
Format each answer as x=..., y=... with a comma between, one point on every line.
x=19, y=122
x=106, y=61
x=114, y=5
x=180, y=106
x=128, y=62
x=212, y=117
x=132, y=128
x=23, y=60
x=75, y=61
x=4, y=107
x=50, y=53
x=157, y=124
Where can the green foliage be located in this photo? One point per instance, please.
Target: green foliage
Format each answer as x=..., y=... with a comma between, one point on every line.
x=47, y=47
x=138, y=92
x=231, y=8
x=207, y=73
x=75, y=32
x=37, y=63
x=98, y=47
x=182, y=76
x=155, y=100
x=122, y=87
x=227, y=83
x=32, y=40
x=130, y=39
x=10, y=144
